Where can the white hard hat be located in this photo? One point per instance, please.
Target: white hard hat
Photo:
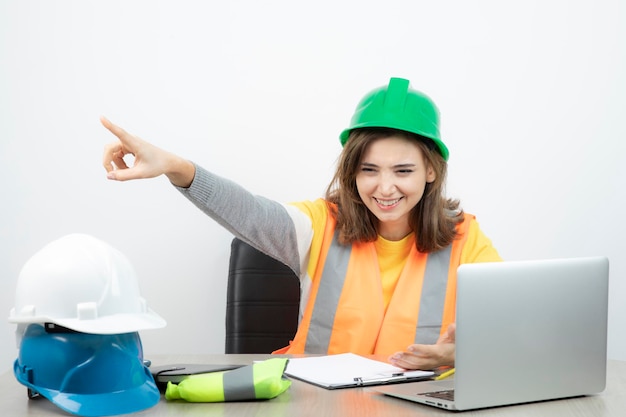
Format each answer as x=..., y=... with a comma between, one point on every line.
x=83, y=284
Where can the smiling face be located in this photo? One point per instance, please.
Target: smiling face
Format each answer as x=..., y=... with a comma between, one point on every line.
x=391, y=180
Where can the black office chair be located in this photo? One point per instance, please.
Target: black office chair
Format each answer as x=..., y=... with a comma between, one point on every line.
x=262, y=301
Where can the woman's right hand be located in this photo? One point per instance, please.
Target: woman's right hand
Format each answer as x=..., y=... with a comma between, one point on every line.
x=149, y=160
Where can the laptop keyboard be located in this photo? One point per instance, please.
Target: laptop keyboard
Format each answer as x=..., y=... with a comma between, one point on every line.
x=442, y=395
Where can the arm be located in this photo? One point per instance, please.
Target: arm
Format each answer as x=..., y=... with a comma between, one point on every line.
x=281, y=232
x=265, y=224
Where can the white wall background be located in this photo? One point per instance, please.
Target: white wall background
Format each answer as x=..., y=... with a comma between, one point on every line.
x=532, y=95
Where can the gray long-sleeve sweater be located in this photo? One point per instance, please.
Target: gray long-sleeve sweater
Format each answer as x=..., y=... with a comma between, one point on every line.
x=265, y=224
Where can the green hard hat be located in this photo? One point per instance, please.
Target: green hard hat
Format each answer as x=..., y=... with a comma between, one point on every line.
x=400, y=107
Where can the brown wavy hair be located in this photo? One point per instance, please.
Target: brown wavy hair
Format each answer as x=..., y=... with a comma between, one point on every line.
x=433, y=219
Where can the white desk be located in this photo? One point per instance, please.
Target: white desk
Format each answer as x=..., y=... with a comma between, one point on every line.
x=303, y=399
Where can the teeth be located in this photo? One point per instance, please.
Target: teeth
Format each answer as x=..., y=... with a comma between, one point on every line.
x=387, y=202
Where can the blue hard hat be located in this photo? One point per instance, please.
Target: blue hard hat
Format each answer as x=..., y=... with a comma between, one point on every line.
x=86, y=374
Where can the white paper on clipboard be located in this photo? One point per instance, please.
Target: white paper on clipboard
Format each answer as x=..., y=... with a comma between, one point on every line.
x=349, y=370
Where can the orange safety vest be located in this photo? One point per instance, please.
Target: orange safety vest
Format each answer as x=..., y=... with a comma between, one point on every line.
x=346, y=313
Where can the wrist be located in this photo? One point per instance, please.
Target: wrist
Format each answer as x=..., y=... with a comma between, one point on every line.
x=181, y=172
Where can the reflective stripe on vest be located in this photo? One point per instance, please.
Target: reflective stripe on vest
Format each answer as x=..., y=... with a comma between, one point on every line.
x=433, y=296
x=327, y=299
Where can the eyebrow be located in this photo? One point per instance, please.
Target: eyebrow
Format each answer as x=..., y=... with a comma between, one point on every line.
x=408, y=165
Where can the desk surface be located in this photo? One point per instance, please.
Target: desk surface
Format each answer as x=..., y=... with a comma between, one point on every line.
x=303, y=399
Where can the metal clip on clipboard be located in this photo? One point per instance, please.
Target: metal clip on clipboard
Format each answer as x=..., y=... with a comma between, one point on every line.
x=383, y=378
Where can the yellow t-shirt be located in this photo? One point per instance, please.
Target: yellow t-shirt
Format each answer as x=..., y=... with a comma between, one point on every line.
x=392, y=256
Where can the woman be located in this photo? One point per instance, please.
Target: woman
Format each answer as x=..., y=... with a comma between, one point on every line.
x=376, y=257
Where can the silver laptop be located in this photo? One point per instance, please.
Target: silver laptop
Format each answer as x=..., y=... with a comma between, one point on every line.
x=526, y=331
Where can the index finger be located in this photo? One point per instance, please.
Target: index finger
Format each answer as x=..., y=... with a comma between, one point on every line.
x=121, y=134
x=421, y=349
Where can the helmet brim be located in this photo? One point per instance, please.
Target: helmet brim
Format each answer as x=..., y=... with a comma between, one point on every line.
x=443, y=149
x=112, y=324
x=127, y=401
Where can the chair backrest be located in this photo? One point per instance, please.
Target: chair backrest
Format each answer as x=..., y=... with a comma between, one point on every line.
x=262, y=304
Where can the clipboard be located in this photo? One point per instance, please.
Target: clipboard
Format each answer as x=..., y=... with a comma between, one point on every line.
x=347, y=370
